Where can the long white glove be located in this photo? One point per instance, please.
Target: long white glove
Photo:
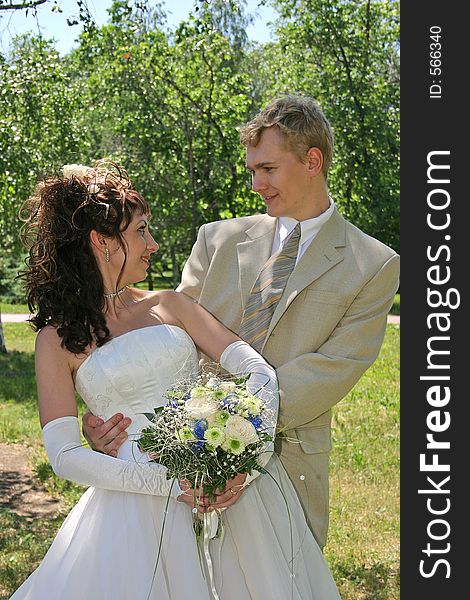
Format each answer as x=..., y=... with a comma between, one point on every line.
x=71, y=461
x=239, y=359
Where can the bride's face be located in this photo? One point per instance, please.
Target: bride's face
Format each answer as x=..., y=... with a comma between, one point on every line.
x=140, y=245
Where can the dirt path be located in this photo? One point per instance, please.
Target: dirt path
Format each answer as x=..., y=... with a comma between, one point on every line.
x=19, y=491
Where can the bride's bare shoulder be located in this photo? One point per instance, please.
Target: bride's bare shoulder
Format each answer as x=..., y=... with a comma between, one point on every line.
x=48, y=337
x=49, y=345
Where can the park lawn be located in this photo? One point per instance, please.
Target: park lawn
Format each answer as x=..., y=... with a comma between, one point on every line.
x=363, y=542
x=13, y=308
x=395, y=308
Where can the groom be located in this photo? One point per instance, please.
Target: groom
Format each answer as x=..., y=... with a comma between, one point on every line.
x=318, y=315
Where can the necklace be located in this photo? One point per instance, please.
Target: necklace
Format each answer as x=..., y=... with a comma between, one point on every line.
x=115, y=294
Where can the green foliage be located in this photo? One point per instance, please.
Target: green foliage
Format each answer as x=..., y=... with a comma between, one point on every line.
x=38, y=132
x=395, y=309
x=167, y=104
x=346, y=54
x=11, y=289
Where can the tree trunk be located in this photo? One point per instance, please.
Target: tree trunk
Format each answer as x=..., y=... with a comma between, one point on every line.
x=3, y=348
x=176, y=272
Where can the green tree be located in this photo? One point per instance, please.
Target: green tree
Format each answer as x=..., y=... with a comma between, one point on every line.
x=345, y=54
x=168, y=107
x=38, y=133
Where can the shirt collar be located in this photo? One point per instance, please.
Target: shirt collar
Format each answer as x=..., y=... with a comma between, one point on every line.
x=308, y=228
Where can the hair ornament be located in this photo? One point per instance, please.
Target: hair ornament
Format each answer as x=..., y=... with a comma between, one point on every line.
x=93, y=188
x=69, y=171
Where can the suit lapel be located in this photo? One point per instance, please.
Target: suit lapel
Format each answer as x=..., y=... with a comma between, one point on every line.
x=319, y=258
x=253, y=253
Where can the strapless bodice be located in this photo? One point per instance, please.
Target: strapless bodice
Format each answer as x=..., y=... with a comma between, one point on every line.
x=131, y=372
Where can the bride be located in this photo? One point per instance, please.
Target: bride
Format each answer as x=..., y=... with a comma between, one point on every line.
x=120, y=348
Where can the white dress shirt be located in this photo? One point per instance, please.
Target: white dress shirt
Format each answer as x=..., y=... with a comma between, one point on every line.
x=308, y=230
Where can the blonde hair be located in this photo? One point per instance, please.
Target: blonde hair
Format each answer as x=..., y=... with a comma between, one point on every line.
x=301, y=123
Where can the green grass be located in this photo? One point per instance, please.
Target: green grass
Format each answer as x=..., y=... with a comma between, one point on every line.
x=19, y=415
x=20, y=337
x=13, y=308
x=363, y=542
x=23, y=542
x=395, y=310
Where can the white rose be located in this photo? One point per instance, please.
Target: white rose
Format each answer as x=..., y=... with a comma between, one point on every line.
x=240, y=429
x=201, y=407
x=78, y=170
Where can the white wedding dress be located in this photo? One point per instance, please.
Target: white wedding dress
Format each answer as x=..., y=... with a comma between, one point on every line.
x=107, y=547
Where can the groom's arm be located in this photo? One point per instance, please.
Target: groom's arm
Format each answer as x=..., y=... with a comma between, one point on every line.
x=313, y=383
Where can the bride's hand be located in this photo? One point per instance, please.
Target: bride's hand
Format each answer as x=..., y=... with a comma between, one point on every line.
x=231, y=494
x=225, y=498
x=193, y=498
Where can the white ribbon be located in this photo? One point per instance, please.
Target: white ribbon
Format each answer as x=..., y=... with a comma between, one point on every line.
x=211, y=524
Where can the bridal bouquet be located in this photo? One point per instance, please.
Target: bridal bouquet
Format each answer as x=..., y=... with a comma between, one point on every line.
x=209, y=430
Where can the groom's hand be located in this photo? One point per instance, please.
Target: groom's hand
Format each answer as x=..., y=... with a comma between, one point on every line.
x=105, y=436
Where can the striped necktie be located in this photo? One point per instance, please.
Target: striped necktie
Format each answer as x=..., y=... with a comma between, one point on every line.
x=267, y=291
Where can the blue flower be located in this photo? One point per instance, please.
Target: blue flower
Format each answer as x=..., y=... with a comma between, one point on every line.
x=199, y=446
x=230, y=402
x=255, y=421
x=200, y=428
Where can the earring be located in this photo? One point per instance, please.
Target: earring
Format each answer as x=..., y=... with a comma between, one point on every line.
x=106, y=254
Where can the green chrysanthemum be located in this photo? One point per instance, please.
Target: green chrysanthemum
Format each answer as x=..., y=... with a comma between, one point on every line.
x=221, y=417
x=233, y=446
x=215, y=436
x=198, y=392
x=250, y=405
x=185, y=434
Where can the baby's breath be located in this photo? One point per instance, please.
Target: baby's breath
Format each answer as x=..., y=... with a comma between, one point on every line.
x=194, y=446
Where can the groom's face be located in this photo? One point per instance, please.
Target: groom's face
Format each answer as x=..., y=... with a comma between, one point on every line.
x=281, y=179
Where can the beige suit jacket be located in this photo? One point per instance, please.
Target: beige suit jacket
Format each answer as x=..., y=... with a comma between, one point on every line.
x=325, y=332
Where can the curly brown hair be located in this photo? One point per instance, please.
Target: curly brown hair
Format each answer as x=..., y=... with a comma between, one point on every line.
x=63, y=282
